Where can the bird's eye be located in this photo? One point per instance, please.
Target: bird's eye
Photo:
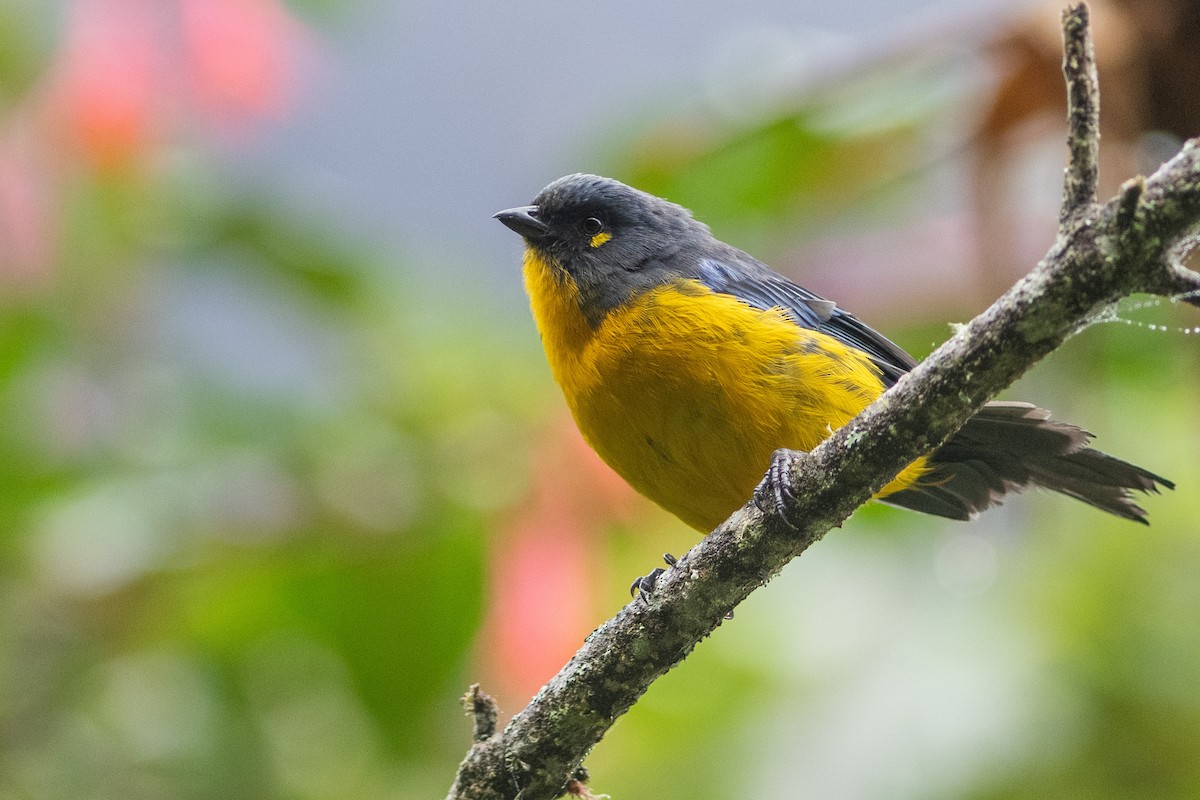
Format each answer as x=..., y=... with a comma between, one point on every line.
x=591, y=226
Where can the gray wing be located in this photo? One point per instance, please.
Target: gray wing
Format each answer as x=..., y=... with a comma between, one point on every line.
x=760, y=286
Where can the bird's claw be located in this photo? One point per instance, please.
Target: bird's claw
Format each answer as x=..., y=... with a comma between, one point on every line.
x=643, y=587
x=773, y=495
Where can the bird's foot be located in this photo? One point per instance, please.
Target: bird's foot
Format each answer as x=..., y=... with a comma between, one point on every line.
x=773, y=495
x=643, y=587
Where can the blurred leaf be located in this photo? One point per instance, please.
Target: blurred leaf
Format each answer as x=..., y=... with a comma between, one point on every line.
x=784, y=175
x=330, y=270
x=23, y=38
x=401, y=618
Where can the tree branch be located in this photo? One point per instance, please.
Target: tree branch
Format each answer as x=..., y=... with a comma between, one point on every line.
x=1083, y=109
x=1102, y=253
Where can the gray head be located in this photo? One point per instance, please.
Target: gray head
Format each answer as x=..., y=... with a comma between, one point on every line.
x=612, y=240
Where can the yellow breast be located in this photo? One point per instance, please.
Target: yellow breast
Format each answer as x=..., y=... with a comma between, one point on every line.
x=686, y=393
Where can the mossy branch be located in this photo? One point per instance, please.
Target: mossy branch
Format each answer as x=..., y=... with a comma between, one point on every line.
x=1102, y=253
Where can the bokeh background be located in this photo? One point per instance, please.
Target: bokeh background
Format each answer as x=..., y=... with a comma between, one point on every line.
x=282, y=469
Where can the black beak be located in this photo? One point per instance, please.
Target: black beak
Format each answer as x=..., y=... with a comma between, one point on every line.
x=524, y=220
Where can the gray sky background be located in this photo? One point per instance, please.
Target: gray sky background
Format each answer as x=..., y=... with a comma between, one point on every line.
x=429, y=116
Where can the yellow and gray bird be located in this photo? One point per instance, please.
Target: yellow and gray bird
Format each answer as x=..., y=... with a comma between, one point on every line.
x=686, y=363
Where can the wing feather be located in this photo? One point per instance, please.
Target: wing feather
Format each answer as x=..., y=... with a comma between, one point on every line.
x=753, y=282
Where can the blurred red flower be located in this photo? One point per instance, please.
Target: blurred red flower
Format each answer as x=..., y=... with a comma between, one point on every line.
x=106, y=92
x=544, y=564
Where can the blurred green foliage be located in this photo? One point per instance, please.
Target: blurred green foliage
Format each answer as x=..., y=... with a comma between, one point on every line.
x=244, y=533
x=22, y=29
x=249, y=479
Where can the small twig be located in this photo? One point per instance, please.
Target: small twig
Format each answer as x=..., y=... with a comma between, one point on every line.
x=483, y=708
x=1129, y=202
x=1083, y=121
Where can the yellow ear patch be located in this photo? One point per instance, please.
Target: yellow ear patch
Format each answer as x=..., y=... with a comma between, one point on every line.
x=599, y=239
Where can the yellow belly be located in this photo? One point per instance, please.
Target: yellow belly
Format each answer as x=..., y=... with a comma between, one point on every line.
x=686, y=393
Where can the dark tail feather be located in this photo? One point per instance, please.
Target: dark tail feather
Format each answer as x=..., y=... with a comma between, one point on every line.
x=1009, y=447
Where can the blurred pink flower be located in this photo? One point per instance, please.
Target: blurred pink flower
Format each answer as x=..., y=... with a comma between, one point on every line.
x=26, y=243
x=545, y=562
x=107, y=87
x=128, y=76
x=133, y=72
x=242, y=58
x=541, y=602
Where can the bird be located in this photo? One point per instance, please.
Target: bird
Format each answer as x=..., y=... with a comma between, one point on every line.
x=686, y=363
